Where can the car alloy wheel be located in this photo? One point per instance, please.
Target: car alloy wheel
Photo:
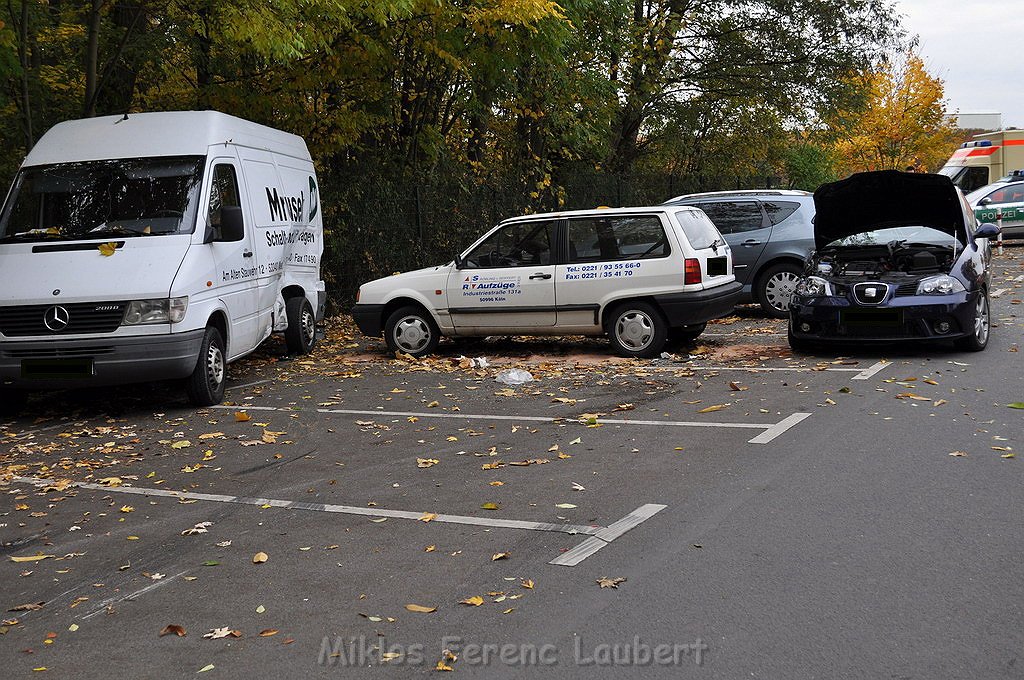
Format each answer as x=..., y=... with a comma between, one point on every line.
x=981, y=322
x=778, y=289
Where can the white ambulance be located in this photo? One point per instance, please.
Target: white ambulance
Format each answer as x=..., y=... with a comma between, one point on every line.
x=156, y=246
x=639, y=275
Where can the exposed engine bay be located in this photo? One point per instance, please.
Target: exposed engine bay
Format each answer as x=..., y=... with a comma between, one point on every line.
x=894, y=261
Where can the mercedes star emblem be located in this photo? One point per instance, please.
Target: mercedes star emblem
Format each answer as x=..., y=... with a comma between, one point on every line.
x=56, y=318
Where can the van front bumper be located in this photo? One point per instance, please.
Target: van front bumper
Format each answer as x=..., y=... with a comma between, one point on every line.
x=59, y=364
x=687, y=309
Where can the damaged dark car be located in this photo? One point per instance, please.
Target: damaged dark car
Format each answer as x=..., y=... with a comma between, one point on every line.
x=898, y=257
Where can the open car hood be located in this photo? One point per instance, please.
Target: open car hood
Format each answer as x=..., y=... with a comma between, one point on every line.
x=886, y=198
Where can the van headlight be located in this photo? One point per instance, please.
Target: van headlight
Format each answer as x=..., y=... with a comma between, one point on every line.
x=940, y=285
x=166, y=310
x=813, y=286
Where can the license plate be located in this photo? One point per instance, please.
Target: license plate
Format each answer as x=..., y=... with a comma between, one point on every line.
x=56, y=368
x=871, y=317
x=717, y=266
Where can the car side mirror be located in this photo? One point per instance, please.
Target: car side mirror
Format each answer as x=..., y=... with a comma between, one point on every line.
x=459, y=262
x=232, y=226
x=987, y=230
x=985, y=201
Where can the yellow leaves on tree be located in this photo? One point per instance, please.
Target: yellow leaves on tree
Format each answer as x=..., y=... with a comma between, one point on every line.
x=903, y=124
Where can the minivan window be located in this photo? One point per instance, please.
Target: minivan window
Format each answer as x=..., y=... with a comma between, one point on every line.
x=779, y=210
x=101, y=199
x=699, y=230
x=732, y=217
x=600, y=239
x=519, y=244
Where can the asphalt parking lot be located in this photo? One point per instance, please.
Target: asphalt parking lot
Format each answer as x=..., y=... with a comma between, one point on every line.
x=770, y=514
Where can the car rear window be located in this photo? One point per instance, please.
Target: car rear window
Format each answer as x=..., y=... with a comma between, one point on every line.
x=699, y=230
x=779, y=210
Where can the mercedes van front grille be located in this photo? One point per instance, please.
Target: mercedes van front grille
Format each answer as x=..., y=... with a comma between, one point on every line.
x=61, y=319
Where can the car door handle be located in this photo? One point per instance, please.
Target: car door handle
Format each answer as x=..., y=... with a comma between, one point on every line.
x=246, y=253
x=750, y=242
x=540, y=276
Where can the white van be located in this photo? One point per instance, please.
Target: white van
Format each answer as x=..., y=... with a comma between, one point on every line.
x=156, y=246
x=639, y=275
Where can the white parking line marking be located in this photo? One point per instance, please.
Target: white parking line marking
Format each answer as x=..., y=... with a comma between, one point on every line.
x=779, y=428
x=769, y=427
x=871, y=370
x=607, y=534
x=131, y=596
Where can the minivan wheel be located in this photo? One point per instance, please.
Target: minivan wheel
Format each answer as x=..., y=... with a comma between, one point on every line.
x=978, y=340
x=300, y=336
x=205, y=387
x=412, y=331
x=775, y=287
x=638, y=330
x=12, y=401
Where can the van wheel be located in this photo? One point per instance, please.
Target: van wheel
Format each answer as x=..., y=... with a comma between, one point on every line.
x=775, y=287
x=638, y=330
x=300, y=336
x=205, y=387
x=686, y=334
x=412, y=331
x=12, y=401
x=978, y=340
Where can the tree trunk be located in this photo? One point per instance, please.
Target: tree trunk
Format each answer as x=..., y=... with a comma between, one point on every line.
x=92, y=57
x=25, y=103
x=204, y=74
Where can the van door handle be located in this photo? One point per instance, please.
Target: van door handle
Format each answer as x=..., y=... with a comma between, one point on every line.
x=750, y=242
x=246, y=253
x=540, y=276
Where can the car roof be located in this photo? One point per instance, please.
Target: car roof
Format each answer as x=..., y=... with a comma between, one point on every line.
x=742, y=192
x=600, y=212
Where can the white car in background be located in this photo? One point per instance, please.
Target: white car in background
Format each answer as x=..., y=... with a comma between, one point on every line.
x=639, y=275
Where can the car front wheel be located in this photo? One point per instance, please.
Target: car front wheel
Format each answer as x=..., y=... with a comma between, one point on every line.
x=978, y=340
x=638, y=330
x=775, y=287
x=412, y=331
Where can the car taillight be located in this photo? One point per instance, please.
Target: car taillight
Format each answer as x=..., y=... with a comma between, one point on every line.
x=692, y=269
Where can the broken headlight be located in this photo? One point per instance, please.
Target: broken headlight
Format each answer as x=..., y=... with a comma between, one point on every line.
x=813, y=286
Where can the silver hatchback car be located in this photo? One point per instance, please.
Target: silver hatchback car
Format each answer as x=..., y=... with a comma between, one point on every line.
x=770, y=232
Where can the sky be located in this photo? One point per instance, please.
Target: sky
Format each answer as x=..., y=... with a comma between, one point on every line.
x=975, y=47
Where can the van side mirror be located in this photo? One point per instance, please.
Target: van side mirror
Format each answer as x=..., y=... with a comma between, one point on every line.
x=232, y=226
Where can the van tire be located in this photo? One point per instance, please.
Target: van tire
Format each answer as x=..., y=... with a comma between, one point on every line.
x=637, y=330
x=205, y=387
x=12, y=401
x=300, y=336
x=771, y=286
x=411, y=330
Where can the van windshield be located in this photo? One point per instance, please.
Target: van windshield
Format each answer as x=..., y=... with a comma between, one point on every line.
x=103, y=199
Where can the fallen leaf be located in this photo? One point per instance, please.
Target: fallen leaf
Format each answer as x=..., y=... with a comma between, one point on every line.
x=127, y=508
x=500, y=556
x=427, y=516
x=181, y=444
x=474, y=601
x=1008, y=455
x=420, y=609
x=242, y=417
x=526, y=583
x=911, y=395
x=1017, y=405
x=107, y=249
x=207, y=667
x=565, y=506
x=260, y=558
x=958, y=454
x=489, y=506
x=426, y=462
x=736, y=387
x=30, y=607
x=710, y=409
x=606, y=582
x=430, y=548
x=29, y=558
x=173, y=629
x=268, y=632
x=260, y=609
x=110, y=481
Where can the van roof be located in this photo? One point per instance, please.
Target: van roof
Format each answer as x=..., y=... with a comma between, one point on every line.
x=171, y=133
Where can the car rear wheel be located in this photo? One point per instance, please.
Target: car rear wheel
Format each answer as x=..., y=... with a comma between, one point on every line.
x=638, y=330
x=412, y=331
x=300, y=336
x=775, y=287
x=978, y=340
x=205, y=387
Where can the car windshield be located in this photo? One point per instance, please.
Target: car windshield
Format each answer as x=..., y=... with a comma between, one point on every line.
x=100, y=199
x=902, y=235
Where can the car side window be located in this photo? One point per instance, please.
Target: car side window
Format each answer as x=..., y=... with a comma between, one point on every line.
x=520, y=244
x=733, y=217
x=223, y=192
x=601, y=239
x=779, y=210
